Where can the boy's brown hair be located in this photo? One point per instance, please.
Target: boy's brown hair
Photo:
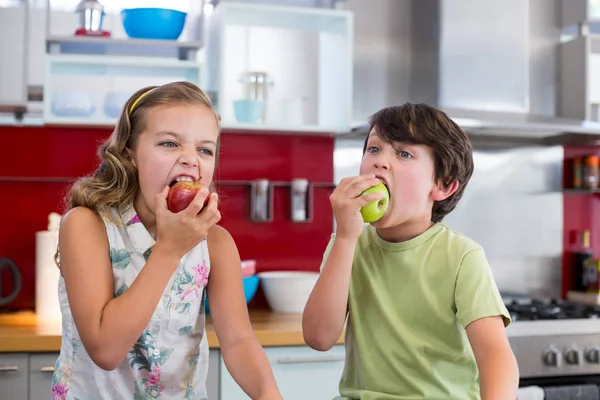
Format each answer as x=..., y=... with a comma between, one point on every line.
x=421, y=124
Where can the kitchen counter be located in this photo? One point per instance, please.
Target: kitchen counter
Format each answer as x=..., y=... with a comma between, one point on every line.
x=22, y=332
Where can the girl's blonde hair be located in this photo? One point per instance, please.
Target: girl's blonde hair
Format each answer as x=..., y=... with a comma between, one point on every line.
x=115, y=181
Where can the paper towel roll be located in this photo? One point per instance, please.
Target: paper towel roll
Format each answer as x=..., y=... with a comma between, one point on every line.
x=47, y=273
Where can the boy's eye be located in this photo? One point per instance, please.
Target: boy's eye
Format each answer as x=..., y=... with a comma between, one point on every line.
x=206, y=151
x=372, y=149
x=168, y=144
x=404, y=154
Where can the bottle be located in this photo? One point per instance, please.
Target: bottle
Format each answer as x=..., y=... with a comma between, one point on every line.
x=581, y=253
x=577, y=172
x=591, y=172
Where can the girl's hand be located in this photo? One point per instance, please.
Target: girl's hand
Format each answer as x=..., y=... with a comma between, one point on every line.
x=181, y=232
x=346, y=202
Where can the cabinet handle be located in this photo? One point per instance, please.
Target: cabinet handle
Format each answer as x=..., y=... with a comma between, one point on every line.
x=8, y=368
x=317, y=359
x=47, y=369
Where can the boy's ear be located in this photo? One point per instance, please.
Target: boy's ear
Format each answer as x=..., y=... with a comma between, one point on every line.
x=442, y=192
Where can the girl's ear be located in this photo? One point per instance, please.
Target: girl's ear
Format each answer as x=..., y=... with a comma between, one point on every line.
x=130, y=155
x=442, y=192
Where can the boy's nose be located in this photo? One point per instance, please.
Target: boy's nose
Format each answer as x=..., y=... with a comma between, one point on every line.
x=382, y=163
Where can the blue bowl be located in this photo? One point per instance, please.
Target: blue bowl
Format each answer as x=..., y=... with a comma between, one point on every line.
x=250, y=287
x=153, y=23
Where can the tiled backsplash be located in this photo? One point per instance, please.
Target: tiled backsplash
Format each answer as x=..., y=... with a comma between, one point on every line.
x=56, y=153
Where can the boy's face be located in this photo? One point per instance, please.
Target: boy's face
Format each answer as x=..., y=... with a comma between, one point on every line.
x=409, y=173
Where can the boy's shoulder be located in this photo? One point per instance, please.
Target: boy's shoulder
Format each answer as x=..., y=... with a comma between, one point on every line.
x=438, y=238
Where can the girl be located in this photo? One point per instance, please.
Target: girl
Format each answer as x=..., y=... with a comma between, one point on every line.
x=134, y=274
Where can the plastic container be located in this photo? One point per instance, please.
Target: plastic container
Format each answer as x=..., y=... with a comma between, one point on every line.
x=287, y=292
x=153, y=23
x=248, y=111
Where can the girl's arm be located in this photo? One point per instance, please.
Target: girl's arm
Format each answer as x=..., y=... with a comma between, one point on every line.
x=108, y=327
x=244, y=357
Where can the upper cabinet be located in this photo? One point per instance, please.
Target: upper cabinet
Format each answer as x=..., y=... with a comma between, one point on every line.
x=285, y=68
x=89, y=77
x=579, y=60
x=14, y=21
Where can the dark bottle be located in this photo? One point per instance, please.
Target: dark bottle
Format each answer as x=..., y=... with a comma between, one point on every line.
x=581, y=253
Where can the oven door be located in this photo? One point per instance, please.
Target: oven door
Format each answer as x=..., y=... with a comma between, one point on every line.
x=578, y=387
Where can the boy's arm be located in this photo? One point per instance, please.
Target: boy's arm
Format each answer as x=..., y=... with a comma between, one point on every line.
x=326, y=309
x=480, y=309
x=327, y=306
x=498, y=370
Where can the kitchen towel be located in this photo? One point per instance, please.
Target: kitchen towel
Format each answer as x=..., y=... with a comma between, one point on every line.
x=572, y=392
x=530, y=393
x=47, y=273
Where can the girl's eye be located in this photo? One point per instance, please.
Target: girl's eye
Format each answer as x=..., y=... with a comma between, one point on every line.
x=206, y=151
x=404, y=154
x=372, y=149
x=169, y=144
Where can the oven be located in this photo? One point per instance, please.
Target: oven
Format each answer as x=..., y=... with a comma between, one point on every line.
x=557, y=346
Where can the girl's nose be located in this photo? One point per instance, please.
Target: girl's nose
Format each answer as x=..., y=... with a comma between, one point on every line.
x=189, y=157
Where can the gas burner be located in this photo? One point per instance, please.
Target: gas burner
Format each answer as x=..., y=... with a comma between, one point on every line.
x=553, y=309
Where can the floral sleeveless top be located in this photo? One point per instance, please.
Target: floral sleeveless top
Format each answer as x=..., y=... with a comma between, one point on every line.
x=170, y=358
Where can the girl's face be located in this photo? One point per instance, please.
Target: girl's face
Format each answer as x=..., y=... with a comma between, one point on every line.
x=177, y=141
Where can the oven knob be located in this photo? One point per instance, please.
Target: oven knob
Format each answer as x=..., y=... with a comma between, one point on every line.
x=592, y=355
x=572, y=356
x=551, y=357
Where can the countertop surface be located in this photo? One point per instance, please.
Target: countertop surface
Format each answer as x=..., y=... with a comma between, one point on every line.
x=23, y=332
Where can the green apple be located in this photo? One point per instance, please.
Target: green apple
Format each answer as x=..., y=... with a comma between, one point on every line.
x=374, y=210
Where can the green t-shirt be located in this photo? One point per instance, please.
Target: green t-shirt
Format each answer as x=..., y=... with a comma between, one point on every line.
x=409, y=304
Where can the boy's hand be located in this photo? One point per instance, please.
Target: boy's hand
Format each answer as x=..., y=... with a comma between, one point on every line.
x=346, y=203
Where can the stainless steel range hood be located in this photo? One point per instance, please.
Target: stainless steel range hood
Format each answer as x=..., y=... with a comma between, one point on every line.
x=472, y=59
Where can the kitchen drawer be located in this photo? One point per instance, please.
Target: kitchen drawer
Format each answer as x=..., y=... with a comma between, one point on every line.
x=301, y=373
x=13, y=376
x=41, y=367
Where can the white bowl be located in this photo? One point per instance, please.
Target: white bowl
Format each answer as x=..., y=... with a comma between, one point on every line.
x=288, y=291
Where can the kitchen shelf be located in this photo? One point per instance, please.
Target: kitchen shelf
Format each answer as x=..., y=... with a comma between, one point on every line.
x=121, y=46
x=581, y=191
x=91, y=89
x=289, y=129
x=307, y=51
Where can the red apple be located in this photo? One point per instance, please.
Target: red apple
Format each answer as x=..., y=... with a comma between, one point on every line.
x=182, y=193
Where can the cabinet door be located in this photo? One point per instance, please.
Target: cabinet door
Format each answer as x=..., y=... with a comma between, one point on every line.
x=300, y=372
x=41, y=367
x=13, y=376
x=212, y=380
x=13, y=25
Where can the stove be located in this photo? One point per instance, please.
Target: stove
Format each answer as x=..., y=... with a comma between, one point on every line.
x=554, y=339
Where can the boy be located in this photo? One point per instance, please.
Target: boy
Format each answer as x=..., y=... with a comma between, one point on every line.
x=425, y=318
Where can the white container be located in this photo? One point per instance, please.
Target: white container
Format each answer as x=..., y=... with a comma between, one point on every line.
x=286, y=291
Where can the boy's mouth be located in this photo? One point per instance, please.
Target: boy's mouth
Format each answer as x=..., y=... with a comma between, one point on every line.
x=382, y=179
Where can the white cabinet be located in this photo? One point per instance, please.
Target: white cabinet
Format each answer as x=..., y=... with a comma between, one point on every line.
x=13, y=26
x=300, y=372
x=579, y=60
x=307, y=53
x=41, y=368
x=13, y=376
